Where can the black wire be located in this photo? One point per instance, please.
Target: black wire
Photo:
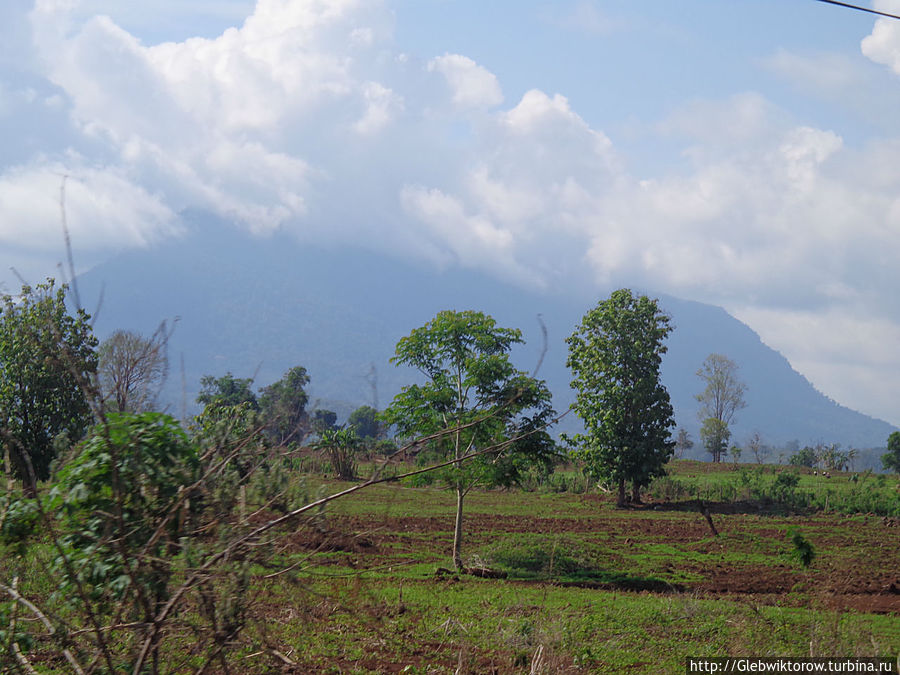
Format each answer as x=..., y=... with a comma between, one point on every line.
x=861, y=9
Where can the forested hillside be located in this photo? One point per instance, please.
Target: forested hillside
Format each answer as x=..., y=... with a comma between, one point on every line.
x=257, y=307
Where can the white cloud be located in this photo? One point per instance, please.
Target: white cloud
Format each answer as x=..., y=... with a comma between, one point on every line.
x=103, y=209
x=849, y=355
x=382, y=106
x=305, y=117
x=473, y=86
x=883, y=44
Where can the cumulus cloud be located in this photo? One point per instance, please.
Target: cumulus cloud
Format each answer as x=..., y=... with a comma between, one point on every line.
x=472, y=86
x=883, y=44
x=305, y=117
x=103, y=208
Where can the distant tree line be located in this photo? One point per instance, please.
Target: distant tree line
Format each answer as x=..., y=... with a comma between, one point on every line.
x=151, y=523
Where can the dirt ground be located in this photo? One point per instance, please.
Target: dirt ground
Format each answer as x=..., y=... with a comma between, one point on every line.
x=857, y=564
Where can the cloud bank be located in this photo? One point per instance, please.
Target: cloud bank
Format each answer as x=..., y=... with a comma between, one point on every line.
x=308, y=118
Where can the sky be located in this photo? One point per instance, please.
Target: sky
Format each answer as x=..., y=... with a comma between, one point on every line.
x=742, y=153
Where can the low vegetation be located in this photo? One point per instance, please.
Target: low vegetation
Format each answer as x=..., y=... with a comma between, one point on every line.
x=260, y=537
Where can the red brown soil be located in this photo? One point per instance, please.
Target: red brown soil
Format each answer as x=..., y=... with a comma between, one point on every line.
x=857, y=567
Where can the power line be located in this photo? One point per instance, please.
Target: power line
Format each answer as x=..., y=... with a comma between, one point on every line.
x=861, y=9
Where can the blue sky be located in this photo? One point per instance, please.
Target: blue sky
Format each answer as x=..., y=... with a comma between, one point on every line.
x=743, y=153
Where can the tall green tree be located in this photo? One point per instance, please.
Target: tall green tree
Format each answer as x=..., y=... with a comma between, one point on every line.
x=364, y=420
x=47, y=361
x=226, y=391
x=722, y=397
x=715, y=434
x=891, y=459
x=283, y=406
x=472, y=399
x=805, y=457
x=615, y=356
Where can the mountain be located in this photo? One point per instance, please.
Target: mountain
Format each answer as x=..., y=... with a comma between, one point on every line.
x=257, y=307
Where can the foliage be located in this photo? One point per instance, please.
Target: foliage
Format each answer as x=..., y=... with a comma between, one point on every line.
x=126, y=478
x=364, y=420
x=283, y=407
x=891, y=459
x=720, y=400
x=324, y=420
x=473, y=399
x=47, y=360
x=805, y=457
x=832, y=458
x=715, y=435
x=230, y=431
x=783, y=487
x=147, y=530
x=803, y=549
x=132, y=369
x=615, y=356
x=342, y=446
x=226, y=391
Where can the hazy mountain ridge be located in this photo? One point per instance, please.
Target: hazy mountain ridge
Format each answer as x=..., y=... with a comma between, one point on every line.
x=257, y=307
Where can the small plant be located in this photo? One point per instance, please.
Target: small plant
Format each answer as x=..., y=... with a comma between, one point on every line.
x=341, y=446
x=803, y=549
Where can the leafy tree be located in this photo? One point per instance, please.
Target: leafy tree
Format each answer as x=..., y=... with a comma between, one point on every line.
x=283, y=406
x=47, y=360
x=615, y=356
x=473, y=399
x=132, y=369
x=126, y=479
x=805, y=457
x=683, y=443
x=715, y=435
x=227, y=390
x=324, y=420
x=891, y=459
x=721, y=399
x=832, y=457
x=364, y=420
x=229, y=423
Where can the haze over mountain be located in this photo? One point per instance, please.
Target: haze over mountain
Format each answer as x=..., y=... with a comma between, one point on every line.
x=259, y=306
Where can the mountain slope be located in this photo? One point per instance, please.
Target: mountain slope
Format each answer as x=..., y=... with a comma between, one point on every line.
x=258, y=307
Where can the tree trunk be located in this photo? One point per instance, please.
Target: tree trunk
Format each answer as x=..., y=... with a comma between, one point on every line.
x=621, y=501
x=457, y=529
x=635, y=493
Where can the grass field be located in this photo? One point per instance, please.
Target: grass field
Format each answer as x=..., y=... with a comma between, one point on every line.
x=586, y=587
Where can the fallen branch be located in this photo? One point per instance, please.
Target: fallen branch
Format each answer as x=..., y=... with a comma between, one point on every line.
x=44, y=620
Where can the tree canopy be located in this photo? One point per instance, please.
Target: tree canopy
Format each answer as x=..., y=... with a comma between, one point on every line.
x=615, y=355
x=473, y=398
x=891, y=459
x=719, y=401
x=226, y=391
x=364, y=420
x=47, y=360
x=283, y=406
